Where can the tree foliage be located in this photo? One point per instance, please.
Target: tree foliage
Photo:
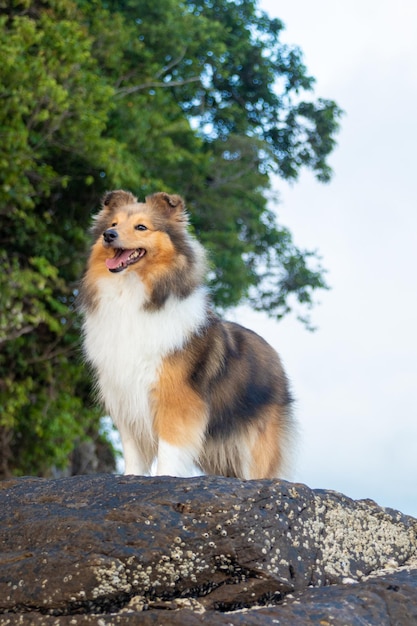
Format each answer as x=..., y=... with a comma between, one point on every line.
x=197, y=98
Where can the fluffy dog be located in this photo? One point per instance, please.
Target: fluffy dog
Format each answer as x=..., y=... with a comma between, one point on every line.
x=181, y=385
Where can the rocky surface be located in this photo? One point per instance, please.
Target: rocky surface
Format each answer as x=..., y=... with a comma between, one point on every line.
x=106, y=550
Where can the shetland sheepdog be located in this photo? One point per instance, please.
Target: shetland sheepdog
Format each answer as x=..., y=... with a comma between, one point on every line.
x=181, y=385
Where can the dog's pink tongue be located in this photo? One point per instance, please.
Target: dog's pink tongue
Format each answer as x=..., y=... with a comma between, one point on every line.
x=118, y=259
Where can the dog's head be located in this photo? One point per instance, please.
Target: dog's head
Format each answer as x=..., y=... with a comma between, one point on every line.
x=145, y=240
x=133, y=232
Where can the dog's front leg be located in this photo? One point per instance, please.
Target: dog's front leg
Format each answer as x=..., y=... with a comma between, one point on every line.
x=175, y=460
x=180, y=421
x=137, y=462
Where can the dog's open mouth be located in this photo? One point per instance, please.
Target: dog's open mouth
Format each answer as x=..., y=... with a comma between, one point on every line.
x=123, y=258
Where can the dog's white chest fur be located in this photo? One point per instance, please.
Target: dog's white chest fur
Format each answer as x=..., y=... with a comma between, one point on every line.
x=126, y=344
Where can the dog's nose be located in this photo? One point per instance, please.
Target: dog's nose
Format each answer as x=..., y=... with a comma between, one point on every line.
x=110, y=235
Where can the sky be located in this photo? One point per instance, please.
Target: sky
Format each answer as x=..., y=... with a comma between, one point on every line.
x=355, y=377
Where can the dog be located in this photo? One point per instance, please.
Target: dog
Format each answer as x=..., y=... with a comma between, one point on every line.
x=182, y=386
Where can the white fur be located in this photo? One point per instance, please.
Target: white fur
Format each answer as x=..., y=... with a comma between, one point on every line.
x=175, y=461
x=137, y=461
x=126, y=344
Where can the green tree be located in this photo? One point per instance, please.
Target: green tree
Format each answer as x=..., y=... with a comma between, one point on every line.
x=52, y=116
x=197, y=98
x=223, y=72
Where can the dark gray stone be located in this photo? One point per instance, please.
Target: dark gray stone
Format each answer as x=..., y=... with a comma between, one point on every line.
x=124, y=550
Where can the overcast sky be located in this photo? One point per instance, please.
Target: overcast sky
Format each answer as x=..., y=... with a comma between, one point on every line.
x=355, y=378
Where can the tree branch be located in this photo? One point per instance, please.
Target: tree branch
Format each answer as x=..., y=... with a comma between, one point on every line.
x=158, y=74
x=174, y=83
x=173, y=63
x=17, y=333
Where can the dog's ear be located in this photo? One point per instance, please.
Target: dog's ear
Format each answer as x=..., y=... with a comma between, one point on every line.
x=110, y=202
x=113, y=199
x=169, y=205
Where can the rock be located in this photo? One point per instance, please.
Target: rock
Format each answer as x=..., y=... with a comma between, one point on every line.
x=109, y=549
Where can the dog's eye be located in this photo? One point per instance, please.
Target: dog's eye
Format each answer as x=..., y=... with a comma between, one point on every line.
x=114, y=224
x=140, y=227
